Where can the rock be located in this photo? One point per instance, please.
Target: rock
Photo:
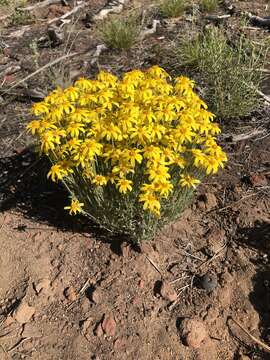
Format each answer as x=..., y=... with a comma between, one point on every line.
x=125, y=248
x=209, y=200
x=98, y=330
x=109, y=325
x=167, y=291
x=258, y=180
x=119, y=344
x=141, y=284
x=193, y=333
x=215, y=240
x=85, y=328
x=43, y=284
x=23, y=313
x=70, y=294
x=209, y=282
x=96, y=296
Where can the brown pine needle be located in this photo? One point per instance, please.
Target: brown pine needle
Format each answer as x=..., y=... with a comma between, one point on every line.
x=259, y=342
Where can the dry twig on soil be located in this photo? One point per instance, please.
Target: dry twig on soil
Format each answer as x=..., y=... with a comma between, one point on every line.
x=259, y=342
x=39, y=5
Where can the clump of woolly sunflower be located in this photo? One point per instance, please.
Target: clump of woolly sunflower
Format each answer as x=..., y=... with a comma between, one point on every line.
x=130, y=151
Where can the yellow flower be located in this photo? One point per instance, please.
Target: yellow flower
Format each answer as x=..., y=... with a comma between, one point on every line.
x=188, y=181
x=75, y=207
x=74, y=129
x=150, y=202
x=40, y=108
x=57, y=172
x=34, y=126
x=133, y=156
x=124, y=185
x=143, y=126
x=99, y=180
x=163, y=187
x=158, y=173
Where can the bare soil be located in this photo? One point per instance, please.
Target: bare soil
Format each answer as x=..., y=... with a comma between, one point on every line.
x=68, y=290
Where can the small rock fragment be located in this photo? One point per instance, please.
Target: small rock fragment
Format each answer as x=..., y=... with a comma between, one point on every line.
x=167, y=291
x=23, y=313
x=210, y=201
x=70, y=294
x=98, y=330
x=85, y=328
x=125, y=248
x=207, y=201
x=258, y=180
x=96, y=296
x=119, y=344
x=209, y=282
x=43, y=284
x=193, y=332
x=109, y=325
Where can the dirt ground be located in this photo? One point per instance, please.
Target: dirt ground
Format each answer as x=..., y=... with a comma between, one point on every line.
x=68, y=290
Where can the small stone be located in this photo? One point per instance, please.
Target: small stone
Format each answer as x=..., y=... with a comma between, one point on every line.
x=109, y=325
x=23, y=313
x=209, y=200
x=258, y=180
x=98, y=330
x=125, y=248
x=119, y=344
x=141, y=284
x=209, y=282
x=85, y=328
x=70, y=294
x=168, y=292
x=193, y=332
x=43, y=284
x=96, y=296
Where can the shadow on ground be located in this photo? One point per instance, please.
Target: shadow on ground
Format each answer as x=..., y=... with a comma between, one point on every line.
x=24, y=187
x=258, y=237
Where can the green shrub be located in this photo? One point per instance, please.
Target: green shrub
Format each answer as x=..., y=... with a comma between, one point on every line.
x=120, y=33
x=209, y=5
x=229, y=72
x=172, y=8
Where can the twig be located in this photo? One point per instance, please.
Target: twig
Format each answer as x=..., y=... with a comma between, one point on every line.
x=265, y=97
x=71, y=12
x=54, y=62
x=20, y=342
x=97, y=53
x=84, y=286
x=151, y=31
x=259, y=342
x=5, y=352
x=236, y=202
x=103, y=13
x=176, y=301
x=192, y=256
x=155, y=266
x=39, y=5
x=246, y=136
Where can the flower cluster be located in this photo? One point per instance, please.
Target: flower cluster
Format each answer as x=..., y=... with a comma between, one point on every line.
x=146, y=134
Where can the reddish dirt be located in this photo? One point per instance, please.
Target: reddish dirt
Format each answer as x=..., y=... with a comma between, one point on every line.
x=69, y=291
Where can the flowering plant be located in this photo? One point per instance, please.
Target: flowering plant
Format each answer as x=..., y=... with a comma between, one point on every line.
x=130, y=151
